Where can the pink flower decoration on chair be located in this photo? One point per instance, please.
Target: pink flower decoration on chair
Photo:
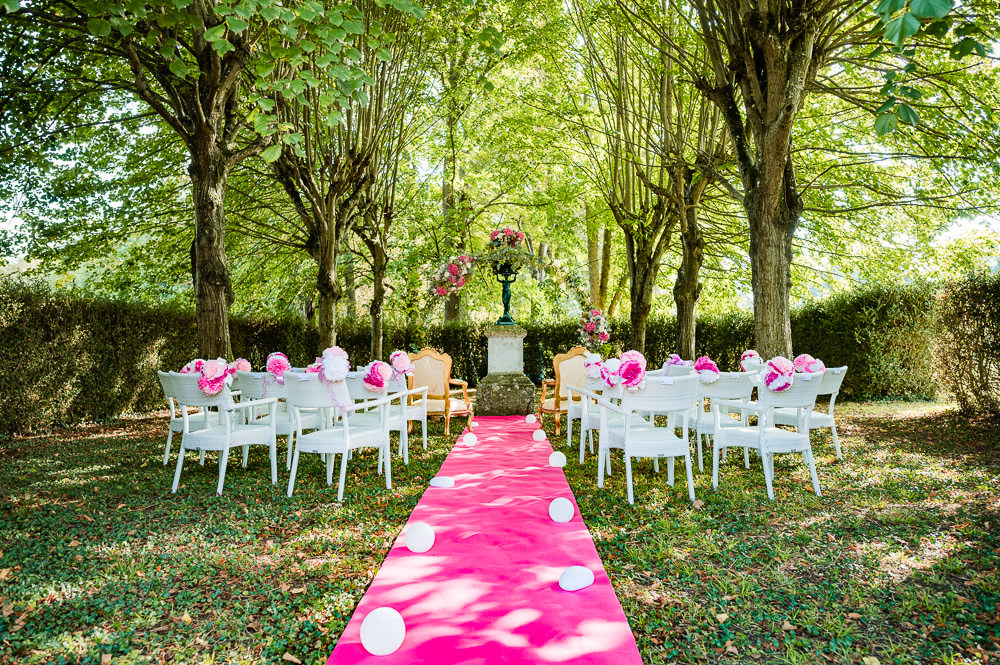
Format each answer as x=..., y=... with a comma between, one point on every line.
x=806, y=364
x=240, y=365
x=400, y=362
x=708, y=371
x=634, y=356
x=377, y=375
x=632, y=372
x=335, y=351
x=334, y=365
x=277, y=364
x=674, y=359
x=315, y=367
x=592, y=365
x=211, y=386
x=193, y=366
x=778, y=374
x=751, y=361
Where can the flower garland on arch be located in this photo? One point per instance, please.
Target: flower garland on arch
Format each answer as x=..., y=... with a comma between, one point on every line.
x=593, y=329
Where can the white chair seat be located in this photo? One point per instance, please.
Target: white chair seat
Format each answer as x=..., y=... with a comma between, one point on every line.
x=214, y=438
x=572, y=406
x=778, y=440
x=283, y=425
x=817, y=420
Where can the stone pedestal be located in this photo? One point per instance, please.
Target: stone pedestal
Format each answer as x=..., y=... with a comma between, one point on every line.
x=505, y=390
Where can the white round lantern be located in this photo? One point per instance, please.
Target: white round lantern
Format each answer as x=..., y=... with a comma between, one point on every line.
x=419, y=537
x=557, y=459
x=530, y=419
x=561, y=510
x=470, y=439
x=382, y=631
x=538, y=435
x=442, y=481
x=574, y=578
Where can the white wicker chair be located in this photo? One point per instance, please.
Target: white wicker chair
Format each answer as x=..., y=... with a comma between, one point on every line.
x=589, y=413
x=398, y=409
x=765, y=437
x=231, y=432
x=833, y=377
x=348, y=433
x=637, y=437
x=176, y=420
x=731, y=386
x=258, y=385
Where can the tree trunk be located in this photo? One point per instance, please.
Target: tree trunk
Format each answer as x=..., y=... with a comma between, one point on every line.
x=593, y=256
x=602, y=292
x=687, y=287
x=213, y=288
x=352, y=294
x=380, y=262
x=329, y=290
x=642, y=269
x=616, y=297
x=770, y=260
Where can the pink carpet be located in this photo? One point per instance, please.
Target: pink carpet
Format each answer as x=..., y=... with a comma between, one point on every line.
x=487, y=591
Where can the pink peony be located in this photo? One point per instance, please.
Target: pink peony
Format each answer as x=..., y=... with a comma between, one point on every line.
x=635, y=356
x=595, y=312
x=377, y=375
x=604, y=336
x=778, y=374
x=708, y=371
x=494, y=235
x=508, y=232
x=400, y=362
x=460, y=282
x=211, y=386
x=751, y=361
x=454, y=269
x=213, y=369
x=240, y=365
x=464, y=259
x=277, y=364
x=441, y=290
x=806, y=364
x=632, y=372
x=590, y=326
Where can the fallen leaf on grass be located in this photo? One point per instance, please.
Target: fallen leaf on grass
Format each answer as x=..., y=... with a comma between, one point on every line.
x=290, y=658
x=283, y=588
x=698, y=503
x=4, y=573
x=8, y=610
x=721, y=618
x=74, y=543
x=870, y=660
x=186, y=618
x=853, y=615
x=732, y=597
x=105, y=658
x=87, y=517
x=787, y=625
x=300, y=589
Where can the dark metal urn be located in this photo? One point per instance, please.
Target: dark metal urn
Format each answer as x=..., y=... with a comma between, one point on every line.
x=506, y=274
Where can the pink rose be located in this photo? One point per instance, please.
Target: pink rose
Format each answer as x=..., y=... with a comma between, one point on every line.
x=441, y=291
x=453, y=269
x=277, y=364
x=595, y=312
x=375, y=378
x=778, y=374
x=604, y=337
x=590, y=326
x=460, y=283
x=508, y=232
x=464, y=259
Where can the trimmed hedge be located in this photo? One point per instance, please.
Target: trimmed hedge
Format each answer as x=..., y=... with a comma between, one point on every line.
x=969, y=337
x=71, y=358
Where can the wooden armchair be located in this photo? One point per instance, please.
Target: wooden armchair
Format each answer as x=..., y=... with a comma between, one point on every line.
x=570, y=371
x=433, y=369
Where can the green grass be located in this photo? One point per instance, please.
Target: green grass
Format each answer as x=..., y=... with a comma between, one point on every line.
x=897, y=561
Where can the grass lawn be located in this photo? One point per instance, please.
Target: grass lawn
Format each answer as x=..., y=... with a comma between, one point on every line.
x=896, y=563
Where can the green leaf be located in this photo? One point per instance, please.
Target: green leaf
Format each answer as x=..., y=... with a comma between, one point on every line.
x=930, y=8
x=938, y=29
x=963, y=48
x=885, y=123
x=222, y=46
x=99, y=27
x=11, y=6
x=178, y=68
x=236, y=24
x=889, y=7
x=900, y=29
x=123, y=27
x=270, y=155
x=216, y=33
x=908, y=115
x=270, y=13
x=886, y=105
x=384, y=54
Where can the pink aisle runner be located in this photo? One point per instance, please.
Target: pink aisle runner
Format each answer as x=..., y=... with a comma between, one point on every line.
x=488, y=591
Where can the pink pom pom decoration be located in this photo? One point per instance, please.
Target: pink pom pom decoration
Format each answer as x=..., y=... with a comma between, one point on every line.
x=334, y=366
x=377, y=375
x=632, y=373
x=708, y=371
x=400, y=362
x=778, y=374
x=806, y=364
x=592, y=365
x=751, y=361
x=277, y=364
x=635, y=356
x=240, y=365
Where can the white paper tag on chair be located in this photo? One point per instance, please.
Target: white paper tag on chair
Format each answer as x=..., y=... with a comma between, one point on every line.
x=303, y=376
x=838, y=370
x=667, y=380
x=806, y=377
x=257, y=375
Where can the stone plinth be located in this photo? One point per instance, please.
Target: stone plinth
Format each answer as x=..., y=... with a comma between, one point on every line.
x=505, y=390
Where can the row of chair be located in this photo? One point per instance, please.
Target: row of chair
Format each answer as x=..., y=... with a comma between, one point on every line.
x=625, y=419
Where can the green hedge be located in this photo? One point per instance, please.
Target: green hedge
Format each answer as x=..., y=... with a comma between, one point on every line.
x=969, y=337
x=70, y=358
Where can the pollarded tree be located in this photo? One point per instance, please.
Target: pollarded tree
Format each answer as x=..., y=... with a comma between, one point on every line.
x=654, y=148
